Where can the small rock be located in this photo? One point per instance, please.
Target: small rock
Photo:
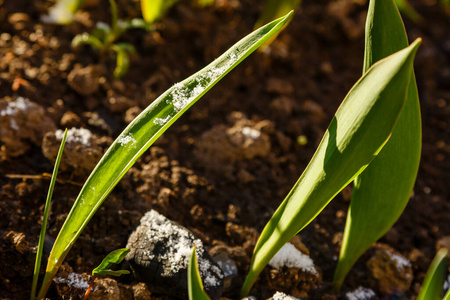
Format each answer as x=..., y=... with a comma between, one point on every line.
x=117, y=102
x=105, y=289
x=279, y=86
x=228, y=266
x=82, y=150
x=443, y=242
x=392, y=271
x=223, y=145
x=71, y=283
x=361, y=294
x=85, y=81
x=22, y=122
x=70, y=119
x=160, y=251
x=141, y=292
x=283, y=106
x=293, y=271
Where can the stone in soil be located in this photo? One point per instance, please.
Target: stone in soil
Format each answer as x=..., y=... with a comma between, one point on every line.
x=160, y=251
x=22, y=122
x=82, y=150
x=392, y=271
x=85, y=81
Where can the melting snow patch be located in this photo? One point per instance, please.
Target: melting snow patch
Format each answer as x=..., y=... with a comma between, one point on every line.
x=14, y=106
x=125, y=140
x=75, y=135
x=282, y=296
x=73, y=280
x=251, y=133
x=360, y=294
x=399, y=260
x=290, y=257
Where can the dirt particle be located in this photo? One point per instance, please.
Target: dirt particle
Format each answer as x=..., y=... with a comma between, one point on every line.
x=85, y=81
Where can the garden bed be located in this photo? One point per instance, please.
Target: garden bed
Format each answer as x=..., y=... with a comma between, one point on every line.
x=282, y=98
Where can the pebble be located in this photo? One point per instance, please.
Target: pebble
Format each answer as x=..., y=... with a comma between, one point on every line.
x=392, y=271
x=160, y=251
x=85, y=81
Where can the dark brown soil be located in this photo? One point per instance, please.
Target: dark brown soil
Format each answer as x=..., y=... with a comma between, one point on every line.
x=290, y=90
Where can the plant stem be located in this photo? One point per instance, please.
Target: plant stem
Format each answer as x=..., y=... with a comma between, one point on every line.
x=91, y=284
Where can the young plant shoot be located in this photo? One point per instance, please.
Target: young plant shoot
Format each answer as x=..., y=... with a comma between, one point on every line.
x=195, y=285
x=353, y=139
x=153, y=10
x=40, y=249
x=115, y=257
x=381, y=192
x=63, y=11
x=140, y=134
x=103, y=39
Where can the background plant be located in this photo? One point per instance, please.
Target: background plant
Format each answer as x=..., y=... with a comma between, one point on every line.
x=104, y=37
x=140, y=134
x=434, y=281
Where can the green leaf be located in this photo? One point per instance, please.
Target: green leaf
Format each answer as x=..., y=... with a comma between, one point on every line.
x=195, y=285
x=37, y=265
x=115, y=257
x=153, y=10
x=433, y=283
x=447, y=295
x=358, y=131
x=204, y=3
x=140, y=134
x=381, y=192
x=87, y=39
x=408, y=10
x=122, y=58
x=138, y=23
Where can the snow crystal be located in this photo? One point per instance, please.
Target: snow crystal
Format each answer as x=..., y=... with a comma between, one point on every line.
x=251, y=133
x=360, y=294
x=179, y=249
x=282, y=296
x=14, y=106
x=290, y=257
x=125, y=140
x=73, y=280
x=183, y=95
x=161, y=121
x=75, y=135
x=399, y=260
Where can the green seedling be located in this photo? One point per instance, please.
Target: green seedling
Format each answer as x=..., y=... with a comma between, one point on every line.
x=40, y=249
x=360, y=128
x=408, y=10
x=381, y=192
x=140, y=134
x=195, y=285
x=153, y=10
x=434, y=280
x=64, y=11
x=204, y=3
x=115, y=257
x=104, y=37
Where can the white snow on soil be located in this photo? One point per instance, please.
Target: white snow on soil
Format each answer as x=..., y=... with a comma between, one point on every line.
x=291, y=257
x=251, y=133
x=73, y=280
x=400, y=261
x=75, y=135
x=20, y=104
x=360, y=294
x=282, y=296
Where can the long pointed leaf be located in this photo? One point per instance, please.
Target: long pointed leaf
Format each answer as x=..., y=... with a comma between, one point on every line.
x=433, y=284
x=141, y=133
x=48, y=201
x=360, y=128
x=195, y=285
x=381, y=192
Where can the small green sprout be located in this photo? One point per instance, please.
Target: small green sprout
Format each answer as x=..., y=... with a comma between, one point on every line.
x=37, y=265
x=104, y=37
x=408, y=10
x=434, y=280
x=115, y=257
x=140, y=134
x=153, y=10
x=195, y=285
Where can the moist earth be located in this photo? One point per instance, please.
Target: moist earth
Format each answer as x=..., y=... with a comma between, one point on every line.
x=223, y=168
